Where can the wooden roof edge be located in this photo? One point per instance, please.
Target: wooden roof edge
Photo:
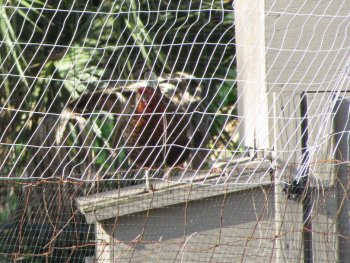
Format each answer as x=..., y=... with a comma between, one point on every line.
x=101, y=201
x=163, y=198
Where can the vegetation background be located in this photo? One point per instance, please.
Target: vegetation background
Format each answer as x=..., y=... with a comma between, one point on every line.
x=54, y=52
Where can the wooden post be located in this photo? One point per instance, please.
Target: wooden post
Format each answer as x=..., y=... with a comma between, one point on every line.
x=288, y=213
x=104, y=251
x=252, y=96
x=285, y=49
x=342, y=136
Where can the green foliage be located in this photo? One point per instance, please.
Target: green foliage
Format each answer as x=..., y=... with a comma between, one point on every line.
x=53, y=51
x=51, y=57
x=11, y=202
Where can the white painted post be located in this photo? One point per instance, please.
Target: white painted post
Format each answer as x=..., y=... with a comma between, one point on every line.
x=252, y=95
x=285, y=48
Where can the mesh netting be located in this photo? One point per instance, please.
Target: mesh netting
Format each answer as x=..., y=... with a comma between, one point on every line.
x=174, y=131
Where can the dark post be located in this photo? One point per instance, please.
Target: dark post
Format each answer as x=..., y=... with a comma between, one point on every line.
x=342, y=136
x=307, y=200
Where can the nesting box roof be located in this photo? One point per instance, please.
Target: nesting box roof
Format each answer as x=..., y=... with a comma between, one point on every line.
x=133, y=199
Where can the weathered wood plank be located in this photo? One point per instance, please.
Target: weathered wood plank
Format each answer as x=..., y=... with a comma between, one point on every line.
x=104, y=250
x=181, y=194
x=321, y=175
x=342, y=153
x=287, y=141
x=324, y=217
x=320, y=142
x=135, y=199
x=236, y=227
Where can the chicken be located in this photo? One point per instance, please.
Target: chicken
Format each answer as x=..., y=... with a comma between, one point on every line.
x=157, y=135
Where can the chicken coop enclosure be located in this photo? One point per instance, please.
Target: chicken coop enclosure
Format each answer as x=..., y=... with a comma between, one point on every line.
x=174, y=131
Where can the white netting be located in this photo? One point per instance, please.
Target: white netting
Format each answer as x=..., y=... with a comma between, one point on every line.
x=79, y=87
x=139, y=111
